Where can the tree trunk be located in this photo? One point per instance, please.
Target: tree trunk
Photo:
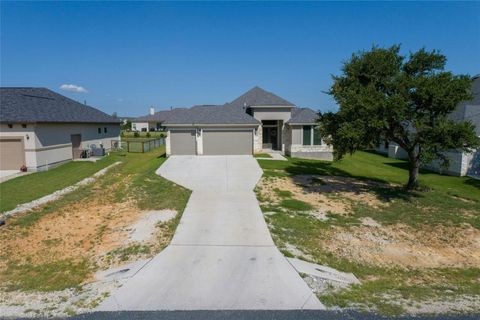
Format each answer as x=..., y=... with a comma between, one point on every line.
x=413, y=171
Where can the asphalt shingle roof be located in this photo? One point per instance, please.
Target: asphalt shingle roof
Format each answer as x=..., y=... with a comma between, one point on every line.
x=159, y=116
x=303, y=115
x=43, y=105
x=259, y=97
x=211, y=114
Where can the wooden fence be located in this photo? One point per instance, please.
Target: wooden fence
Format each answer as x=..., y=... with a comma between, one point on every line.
x=138, y=145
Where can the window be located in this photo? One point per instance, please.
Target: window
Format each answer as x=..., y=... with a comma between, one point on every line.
x=99, y=130
x=105, y=130
x=10, y=126
x=317, y=138
x=311, y=136
x=24, y=125
x=307, y=135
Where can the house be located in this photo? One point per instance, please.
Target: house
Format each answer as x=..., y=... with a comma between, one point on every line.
x=461, y=163
x=256, y=121
x=150, y=122
x=40, y=128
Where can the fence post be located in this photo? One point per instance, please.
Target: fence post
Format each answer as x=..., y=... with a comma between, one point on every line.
x=128, y=146
x=143, y=147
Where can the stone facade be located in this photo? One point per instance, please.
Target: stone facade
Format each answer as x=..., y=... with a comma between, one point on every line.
x=257, y=140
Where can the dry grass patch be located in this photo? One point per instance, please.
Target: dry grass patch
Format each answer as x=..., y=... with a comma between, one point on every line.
x=402, y=246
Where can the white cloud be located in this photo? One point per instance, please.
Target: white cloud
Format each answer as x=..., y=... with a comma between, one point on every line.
x=73, y=88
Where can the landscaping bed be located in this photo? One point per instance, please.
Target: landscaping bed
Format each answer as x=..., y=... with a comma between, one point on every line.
x=50, y=255
x=414, y=252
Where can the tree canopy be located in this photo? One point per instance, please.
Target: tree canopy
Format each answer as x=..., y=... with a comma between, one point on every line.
x=385, y=96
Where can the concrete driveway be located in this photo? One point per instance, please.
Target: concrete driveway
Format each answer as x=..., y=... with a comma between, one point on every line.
x=222, y=255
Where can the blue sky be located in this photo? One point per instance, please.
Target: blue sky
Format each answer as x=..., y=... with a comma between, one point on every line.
x=129, y=56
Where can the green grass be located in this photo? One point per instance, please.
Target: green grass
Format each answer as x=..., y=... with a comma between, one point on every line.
x=124, y=254
x=50, y=276
x=448, y=201
x=295, y=205
x=262, y=155
x=136, y=181
x=36, y=185
x=372, y=166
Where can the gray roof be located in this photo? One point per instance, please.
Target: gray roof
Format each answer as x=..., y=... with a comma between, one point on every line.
x=470, y=110
x=159, y=116
x=43, y=105
x=211, y=114
x=259, y=97
x=303, y=115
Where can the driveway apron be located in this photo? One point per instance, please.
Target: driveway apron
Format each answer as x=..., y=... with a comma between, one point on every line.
x=222, y=255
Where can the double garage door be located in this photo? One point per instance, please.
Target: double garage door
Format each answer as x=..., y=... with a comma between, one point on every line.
x=215, y=142
x=12, y=154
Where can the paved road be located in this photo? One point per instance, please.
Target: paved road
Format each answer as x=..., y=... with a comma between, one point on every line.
x=257, y=315
x=222, y=256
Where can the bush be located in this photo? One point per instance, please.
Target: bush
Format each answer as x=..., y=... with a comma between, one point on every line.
x=148, y=135
x=136, y=134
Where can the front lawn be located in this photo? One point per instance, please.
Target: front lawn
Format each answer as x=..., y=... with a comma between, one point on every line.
x=59, y=246
x=33, y=186
x=414, y=252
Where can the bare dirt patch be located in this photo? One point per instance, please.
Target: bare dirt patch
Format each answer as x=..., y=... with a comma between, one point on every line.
x=402, y=246
x=325, y=193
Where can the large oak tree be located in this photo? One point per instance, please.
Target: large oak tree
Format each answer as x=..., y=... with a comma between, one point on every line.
x=384, y=96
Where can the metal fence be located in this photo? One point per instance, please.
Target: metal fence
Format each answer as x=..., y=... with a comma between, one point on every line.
x=137, y=145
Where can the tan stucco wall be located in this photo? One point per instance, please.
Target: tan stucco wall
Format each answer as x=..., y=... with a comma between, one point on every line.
x=297, y=134
x=56, y=134
x=272, y=114
x=49, y=143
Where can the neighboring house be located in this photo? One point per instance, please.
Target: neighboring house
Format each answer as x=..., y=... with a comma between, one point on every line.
x=256, y=121
x=461, y=163
x=40, y=128
x=151, y=122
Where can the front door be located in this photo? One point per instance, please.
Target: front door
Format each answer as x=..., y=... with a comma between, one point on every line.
x=76, y=145
x=270, y=138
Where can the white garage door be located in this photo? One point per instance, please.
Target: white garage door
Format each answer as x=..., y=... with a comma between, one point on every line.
x=12, y=155
x=227, y=142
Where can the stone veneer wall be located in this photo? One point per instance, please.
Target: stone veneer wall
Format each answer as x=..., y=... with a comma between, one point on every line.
x=257, y=140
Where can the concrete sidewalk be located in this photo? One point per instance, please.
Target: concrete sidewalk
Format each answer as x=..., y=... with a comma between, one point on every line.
x=222, y=256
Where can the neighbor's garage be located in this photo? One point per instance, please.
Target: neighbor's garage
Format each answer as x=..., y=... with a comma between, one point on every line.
x=182, y=142
x=227, y=142
x=12, y=154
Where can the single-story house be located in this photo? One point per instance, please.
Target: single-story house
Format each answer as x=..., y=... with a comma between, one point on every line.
x=256, y=121
x=40, y=128
x=461, y=163
x=150, y=122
